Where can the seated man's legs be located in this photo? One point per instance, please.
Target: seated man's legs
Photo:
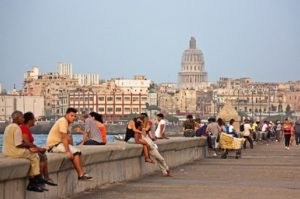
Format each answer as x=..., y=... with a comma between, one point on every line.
x=160, y=160
x=76, y=153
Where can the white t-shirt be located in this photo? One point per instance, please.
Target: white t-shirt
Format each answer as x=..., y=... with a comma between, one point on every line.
x=157, y=131
x=264, y=128
x=247, y=129
x=231, y=128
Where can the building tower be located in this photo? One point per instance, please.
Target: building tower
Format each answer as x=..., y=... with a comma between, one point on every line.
x=192, y=74
x=64, y=69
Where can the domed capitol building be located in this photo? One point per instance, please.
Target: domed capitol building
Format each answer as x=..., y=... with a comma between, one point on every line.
x=192, y=74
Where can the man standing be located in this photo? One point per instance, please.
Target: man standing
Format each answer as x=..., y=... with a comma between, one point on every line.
x=247, y=133
x=60, y=141
x=14, y=147
x=161, y=127
x=297, y=132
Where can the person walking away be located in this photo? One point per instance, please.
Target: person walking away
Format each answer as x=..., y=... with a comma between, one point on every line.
x=297, y=132
x=287, y=131
x=213, y=130
x=29, y=121
x=60, y=140
x=278, y=131
x=14, y=147
x=247, y=133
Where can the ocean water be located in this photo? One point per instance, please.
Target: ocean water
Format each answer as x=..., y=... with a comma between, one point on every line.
x=40, y=139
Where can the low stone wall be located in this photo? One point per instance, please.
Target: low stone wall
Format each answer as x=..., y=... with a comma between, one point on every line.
x=115, y=162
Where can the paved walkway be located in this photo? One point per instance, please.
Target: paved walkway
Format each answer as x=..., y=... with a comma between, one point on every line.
x=266, y=172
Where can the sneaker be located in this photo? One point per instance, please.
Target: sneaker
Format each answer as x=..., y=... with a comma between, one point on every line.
x=50, y=182
x=34, y=187
x=215, y=155
x=85, y=177
x=288, y=148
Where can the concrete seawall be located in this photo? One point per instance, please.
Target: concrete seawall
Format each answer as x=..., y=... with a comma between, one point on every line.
x=115, y=162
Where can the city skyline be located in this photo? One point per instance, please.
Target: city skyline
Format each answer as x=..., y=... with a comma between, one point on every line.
x=122, y=39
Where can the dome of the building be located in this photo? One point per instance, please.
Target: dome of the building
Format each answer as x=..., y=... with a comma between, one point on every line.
x=192, y=72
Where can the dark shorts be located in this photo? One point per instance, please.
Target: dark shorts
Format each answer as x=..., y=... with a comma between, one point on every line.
x=93, y=142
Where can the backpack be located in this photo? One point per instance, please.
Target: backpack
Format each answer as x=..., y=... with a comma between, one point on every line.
x=242, y=128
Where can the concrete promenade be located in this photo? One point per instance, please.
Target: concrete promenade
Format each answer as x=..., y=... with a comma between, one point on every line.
x=266, y=172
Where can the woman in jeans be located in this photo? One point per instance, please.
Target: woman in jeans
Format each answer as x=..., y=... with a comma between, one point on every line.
x=288, y=131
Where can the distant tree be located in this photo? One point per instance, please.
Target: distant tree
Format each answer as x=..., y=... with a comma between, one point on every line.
x=288, y=110
x=171, y=118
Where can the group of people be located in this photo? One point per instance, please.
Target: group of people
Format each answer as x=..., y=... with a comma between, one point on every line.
x=268, y=131
x=213, y=129
x=18, y=142
x=139, y=131
x=250, y=130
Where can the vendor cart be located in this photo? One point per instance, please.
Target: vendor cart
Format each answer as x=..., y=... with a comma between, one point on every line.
x=228, y=143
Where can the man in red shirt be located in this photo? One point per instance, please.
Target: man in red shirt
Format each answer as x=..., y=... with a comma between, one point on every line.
x=29, y=121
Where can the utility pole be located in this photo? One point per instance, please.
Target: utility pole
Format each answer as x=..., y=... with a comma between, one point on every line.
x=260, y=105
x=238, y=105
x=269, y=103
x=252, y=103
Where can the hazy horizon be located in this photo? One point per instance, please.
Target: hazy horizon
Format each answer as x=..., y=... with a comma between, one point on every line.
x=238, y=38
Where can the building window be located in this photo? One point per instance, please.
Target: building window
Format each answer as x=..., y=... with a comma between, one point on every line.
x=118, y=109
x=135, y=99
x=101, y=98
x=109, y=99
x=135, y=110
x=118, y=99
x=91, y=98
x=127, y=98
x=109, y=109
x=127, y=110
x=101, y=109
x=144, y=98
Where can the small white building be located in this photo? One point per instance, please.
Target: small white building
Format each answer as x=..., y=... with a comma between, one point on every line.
x=10, y=103
x=137, y=85
x=64, y=69
x=87, y=79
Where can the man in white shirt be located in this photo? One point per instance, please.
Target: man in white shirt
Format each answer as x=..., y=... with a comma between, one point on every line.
x=248, y=133
x=160, y=130
x=264, y=130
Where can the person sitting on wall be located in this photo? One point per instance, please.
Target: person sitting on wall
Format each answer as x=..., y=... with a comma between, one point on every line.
x=100, y=124
x=161, y=127
x=60, y=140
x=189, y=126
x=153, y=149
x=132, y=133
x=29, y=121
x=147, y=126
x=14, y=147
x=91, y=133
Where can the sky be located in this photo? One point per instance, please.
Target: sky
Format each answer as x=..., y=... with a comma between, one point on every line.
x=122, y=38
